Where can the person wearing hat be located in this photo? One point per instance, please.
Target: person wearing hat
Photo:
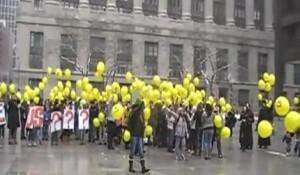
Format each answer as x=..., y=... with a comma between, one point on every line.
x=136, y=128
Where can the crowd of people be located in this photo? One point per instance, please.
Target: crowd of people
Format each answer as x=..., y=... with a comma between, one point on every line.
x=177, y=128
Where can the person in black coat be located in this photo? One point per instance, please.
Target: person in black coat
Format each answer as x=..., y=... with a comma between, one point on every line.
x=136, y=128
x=94, y=111
x=230, y=121
x=265, y=113
x=246, y=134
x=13, y=120
x=198, y=118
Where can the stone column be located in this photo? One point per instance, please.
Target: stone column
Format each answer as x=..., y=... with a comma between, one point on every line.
x=163, y=59
x=111, y=5
x=188, y=51
x=186, y=9
x=52, y=7
x=269, y=15
x=138, y=56
x=137, y=7
x=209, y=16
x=162, y=8
x=84, y=3
x=250, y=14
x=230, y=13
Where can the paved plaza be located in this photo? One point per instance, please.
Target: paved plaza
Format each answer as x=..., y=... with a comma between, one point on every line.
x=97, y=160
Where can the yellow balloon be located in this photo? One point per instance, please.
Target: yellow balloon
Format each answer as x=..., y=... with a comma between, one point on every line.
x=60, y=85
x=189, y=76
x=115, y=98
x=264, y=129
x=147, y=114
x=68, y=84
x=58, y=73
x=128, y=98
x=41, y=86
x=260, y=97
x=266, y=77
x=129, y=76
x=101, y=117
x=186, y=83
x=84, y=95
x=96, y=122
x=196, y=81
x=222, y=101
x=268, y=87
x=124, y=91
x=88, y=87
x=19, y=95
x=156, y=81
x=12, y=88
x=108, y=89
x=79, y=84
x=85, y=80
x=282, y=106
x=73, y=94
x=45, y=80
x=203, y=93
x=101, y=67
x=261, y=85
x=148, y=130
x=26, y=96
x=126, y=136
x=225, y=133
x=115, y=87
x=27, y=88
x=49, y=70
x=218, y=121
x=211, y=98
x=36, y=100
x=117, y=111
x=3, y=88
x=36, y=91
x=192, y=87
x=66, y=92
x=269, y=103
x=292, y=121
x=272, y=79
x=68, y=73
x=296, y=100
x=228, y=107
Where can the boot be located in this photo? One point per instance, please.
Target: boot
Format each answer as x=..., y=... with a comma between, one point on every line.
x=131, y=166
x=144, y=169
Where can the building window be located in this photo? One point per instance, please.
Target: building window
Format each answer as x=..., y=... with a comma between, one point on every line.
x=199, y=60
x=38, y=3
x=97, y=52
x=219, y=12
x=223, y=92
x=176, y=54
x=70, y=3
x=262, y=64
x=151, y=54
x=98, y=4
x=125, y=6
x=36, y=50
x=198, y=10
x=296, y=74
x=240, y=13
x=174, y=9
x=124, y=56
x=150, y=7
x=242, y=70
x=259, y=11
x=222, y=65
x=68, y=51
x=33, y=82
x=243, y=97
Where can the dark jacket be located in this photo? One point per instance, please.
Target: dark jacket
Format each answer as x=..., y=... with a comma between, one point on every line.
x=12, y=114
x=94, y=111
x=136, y=121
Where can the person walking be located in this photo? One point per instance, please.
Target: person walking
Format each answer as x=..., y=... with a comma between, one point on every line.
x=136, y=128
x=265, y=113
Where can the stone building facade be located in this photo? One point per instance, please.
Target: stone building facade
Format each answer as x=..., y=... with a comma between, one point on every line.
x=148, y=37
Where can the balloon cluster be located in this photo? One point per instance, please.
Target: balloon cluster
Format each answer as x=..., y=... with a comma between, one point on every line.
x=265, y=86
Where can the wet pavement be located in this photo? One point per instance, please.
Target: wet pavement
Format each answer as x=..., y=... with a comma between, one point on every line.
x=97, y=160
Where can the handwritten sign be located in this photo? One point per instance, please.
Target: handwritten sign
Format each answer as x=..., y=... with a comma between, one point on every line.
x=56, y=122
x=2, y=114
x=83, y=119
x=35, y=117
x=68, y=119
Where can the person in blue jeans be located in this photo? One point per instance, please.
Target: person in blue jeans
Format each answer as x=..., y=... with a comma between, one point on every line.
x=207, y=131
x=136, y=128
x=47, y=121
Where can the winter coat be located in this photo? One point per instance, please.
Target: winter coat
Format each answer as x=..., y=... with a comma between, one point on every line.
x=181, y=128
x=136, y=121
x=12, y=115
x=94, y=111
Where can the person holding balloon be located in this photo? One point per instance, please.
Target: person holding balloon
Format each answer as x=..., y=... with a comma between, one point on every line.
x=265, y=113
x=218, y=125
x=111, y=126
x=207, y=131
x=136, y=128
x=246, y=136
x=94, y=111
x=13, y=119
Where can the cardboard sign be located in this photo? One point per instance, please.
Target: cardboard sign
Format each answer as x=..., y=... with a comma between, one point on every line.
x=56, y=122
x=35, y=117
x=83, y=119
x=68, y=120
x=2, y=114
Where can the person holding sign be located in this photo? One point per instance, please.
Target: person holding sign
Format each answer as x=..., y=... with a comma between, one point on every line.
x=83, y=120
x=94, y=111
x=55, y=123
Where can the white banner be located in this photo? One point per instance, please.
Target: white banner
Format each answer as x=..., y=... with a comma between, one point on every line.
x=2, y=114
x=56, y=121
x=35, y=117
x=68, y=120
x=83, y=119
